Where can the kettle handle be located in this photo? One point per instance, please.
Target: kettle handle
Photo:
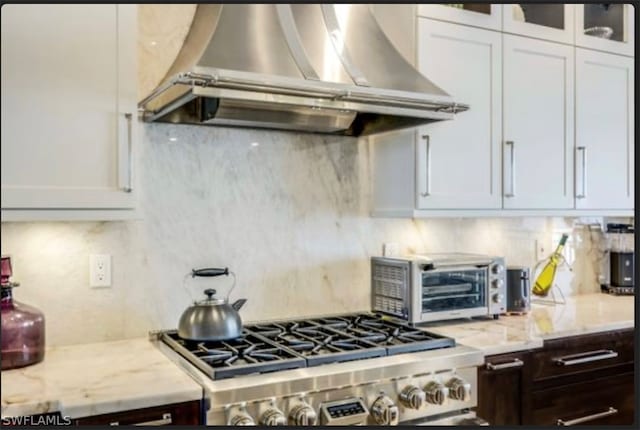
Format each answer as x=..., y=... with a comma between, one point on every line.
x=209, y=272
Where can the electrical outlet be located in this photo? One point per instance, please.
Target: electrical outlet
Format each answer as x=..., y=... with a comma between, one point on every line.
x=390, y=249
x=99, y=270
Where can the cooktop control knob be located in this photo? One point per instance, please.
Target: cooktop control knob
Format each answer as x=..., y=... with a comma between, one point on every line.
x=302, y=415
x=498, y=298
x=384, y=411
x=242, y=419
x=273, y=417
x=412, y=397
x=497, y=269
x=459, y=389
x=436, y=393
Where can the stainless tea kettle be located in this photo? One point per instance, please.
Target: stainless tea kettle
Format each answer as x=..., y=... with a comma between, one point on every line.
x=212, y=318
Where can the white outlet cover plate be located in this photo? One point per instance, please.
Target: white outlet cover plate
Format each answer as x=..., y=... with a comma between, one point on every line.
x=99, y=270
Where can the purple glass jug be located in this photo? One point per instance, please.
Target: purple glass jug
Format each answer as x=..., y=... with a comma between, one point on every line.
x=22, y=326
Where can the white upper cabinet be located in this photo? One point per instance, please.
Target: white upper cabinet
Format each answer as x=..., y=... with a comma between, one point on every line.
x=606, y=27
x=68, y=107
x=449, y=165
x=538, y=101
x=458, y=161
x=549, y=21
x=604, y=131
x=482, y=15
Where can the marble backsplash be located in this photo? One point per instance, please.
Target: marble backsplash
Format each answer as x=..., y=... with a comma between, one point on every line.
x=287, y=212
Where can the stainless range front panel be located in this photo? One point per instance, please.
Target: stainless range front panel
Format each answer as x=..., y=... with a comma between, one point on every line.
x=256, y=395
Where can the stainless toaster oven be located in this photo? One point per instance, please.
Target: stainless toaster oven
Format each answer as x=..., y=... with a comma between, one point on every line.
x=434, y=287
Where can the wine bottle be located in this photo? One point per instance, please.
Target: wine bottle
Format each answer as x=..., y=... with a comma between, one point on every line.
x=544, y=281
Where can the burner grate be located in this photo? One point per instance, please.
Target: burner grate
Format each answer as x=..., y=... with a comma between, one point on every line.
x=245, y=355
x=317, y=344
x=395, y=337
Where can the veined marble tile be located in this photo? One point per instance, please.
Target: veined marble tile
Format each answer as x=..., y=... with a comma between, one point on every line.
x=287, y=212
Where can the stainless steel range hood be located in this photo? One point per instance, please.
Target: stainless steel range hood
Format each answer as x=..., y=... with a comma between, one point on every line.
x=310, y=67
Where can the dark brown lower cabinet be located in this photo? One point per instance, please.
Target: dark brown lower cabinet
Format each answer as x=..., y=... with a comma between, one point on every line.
x=187, y=413
x=500, y=384
x=604, y=401
x=578, y=380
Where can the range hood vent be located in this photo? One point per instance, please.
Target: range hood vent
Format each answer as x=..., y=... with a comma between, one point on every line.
x=323, y=68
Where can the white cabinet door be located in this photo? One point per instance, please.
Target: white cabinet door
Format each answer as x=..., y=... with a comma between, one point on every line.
x=549, y=21
x=592, y=19
x=68, y=80
x=483, y=15
x=538, y=88
x=604, y=130
x=458, y=161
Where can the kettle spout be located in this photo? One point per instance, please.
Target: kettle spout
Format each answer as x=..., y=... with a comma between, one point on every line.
x=238, y=304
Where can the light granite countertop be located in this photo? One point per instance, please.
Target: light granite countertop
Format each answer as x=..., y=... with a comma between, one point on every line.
x=99, y=378
x=582, y=314
x=96, y=378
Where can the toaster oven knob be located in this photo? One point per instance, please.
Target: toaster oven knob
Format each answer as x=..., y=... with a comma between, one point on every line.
x=436, y=393
x=273, y=417
x=302, y=415
x=497, y=283
x=384, y=411
x=498, y=298
x=497, y=269
x=412, y=397
x=459, y=389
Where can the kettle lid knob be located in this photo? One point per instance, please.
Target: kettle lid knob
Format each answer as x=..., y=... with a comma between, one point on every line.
x=210, y=292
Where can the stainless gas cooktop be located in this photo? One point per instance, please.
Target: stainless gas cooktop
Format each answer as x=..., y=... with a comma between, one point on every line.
x=273, y=346
x=347, y=369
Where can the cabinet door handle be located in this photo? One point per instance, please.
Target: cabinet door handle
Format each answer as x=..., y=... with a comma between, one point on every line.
x=164, y=421
x=427, y=147
x=585, y=357
x=129, y=187
x=583, y=186
x=512, y=163
x=514, y=363
x=608, y=412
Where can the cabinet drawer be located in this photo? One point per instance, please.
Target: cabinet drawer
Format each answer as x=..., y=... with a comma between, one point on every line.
x=187, y=413
x=603, y=401
x=579, y=354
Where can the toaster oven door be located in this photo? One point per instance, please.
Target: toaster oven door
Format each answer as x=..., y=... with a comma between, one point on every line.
x=454, y=292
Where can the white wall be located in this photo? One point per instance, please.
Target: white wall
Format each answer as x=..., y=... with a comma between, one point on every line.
x=288, y=215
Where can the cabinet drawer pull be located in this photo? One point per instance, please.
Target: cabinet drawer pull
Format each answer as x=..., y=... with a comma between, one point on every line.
x=585, y=357
x=164, y=421
x=515, y=363
x=610, y=411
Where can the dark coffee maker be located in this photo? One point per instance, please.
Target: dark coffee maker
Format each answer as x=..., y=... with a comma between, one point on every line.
x=618, y=276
